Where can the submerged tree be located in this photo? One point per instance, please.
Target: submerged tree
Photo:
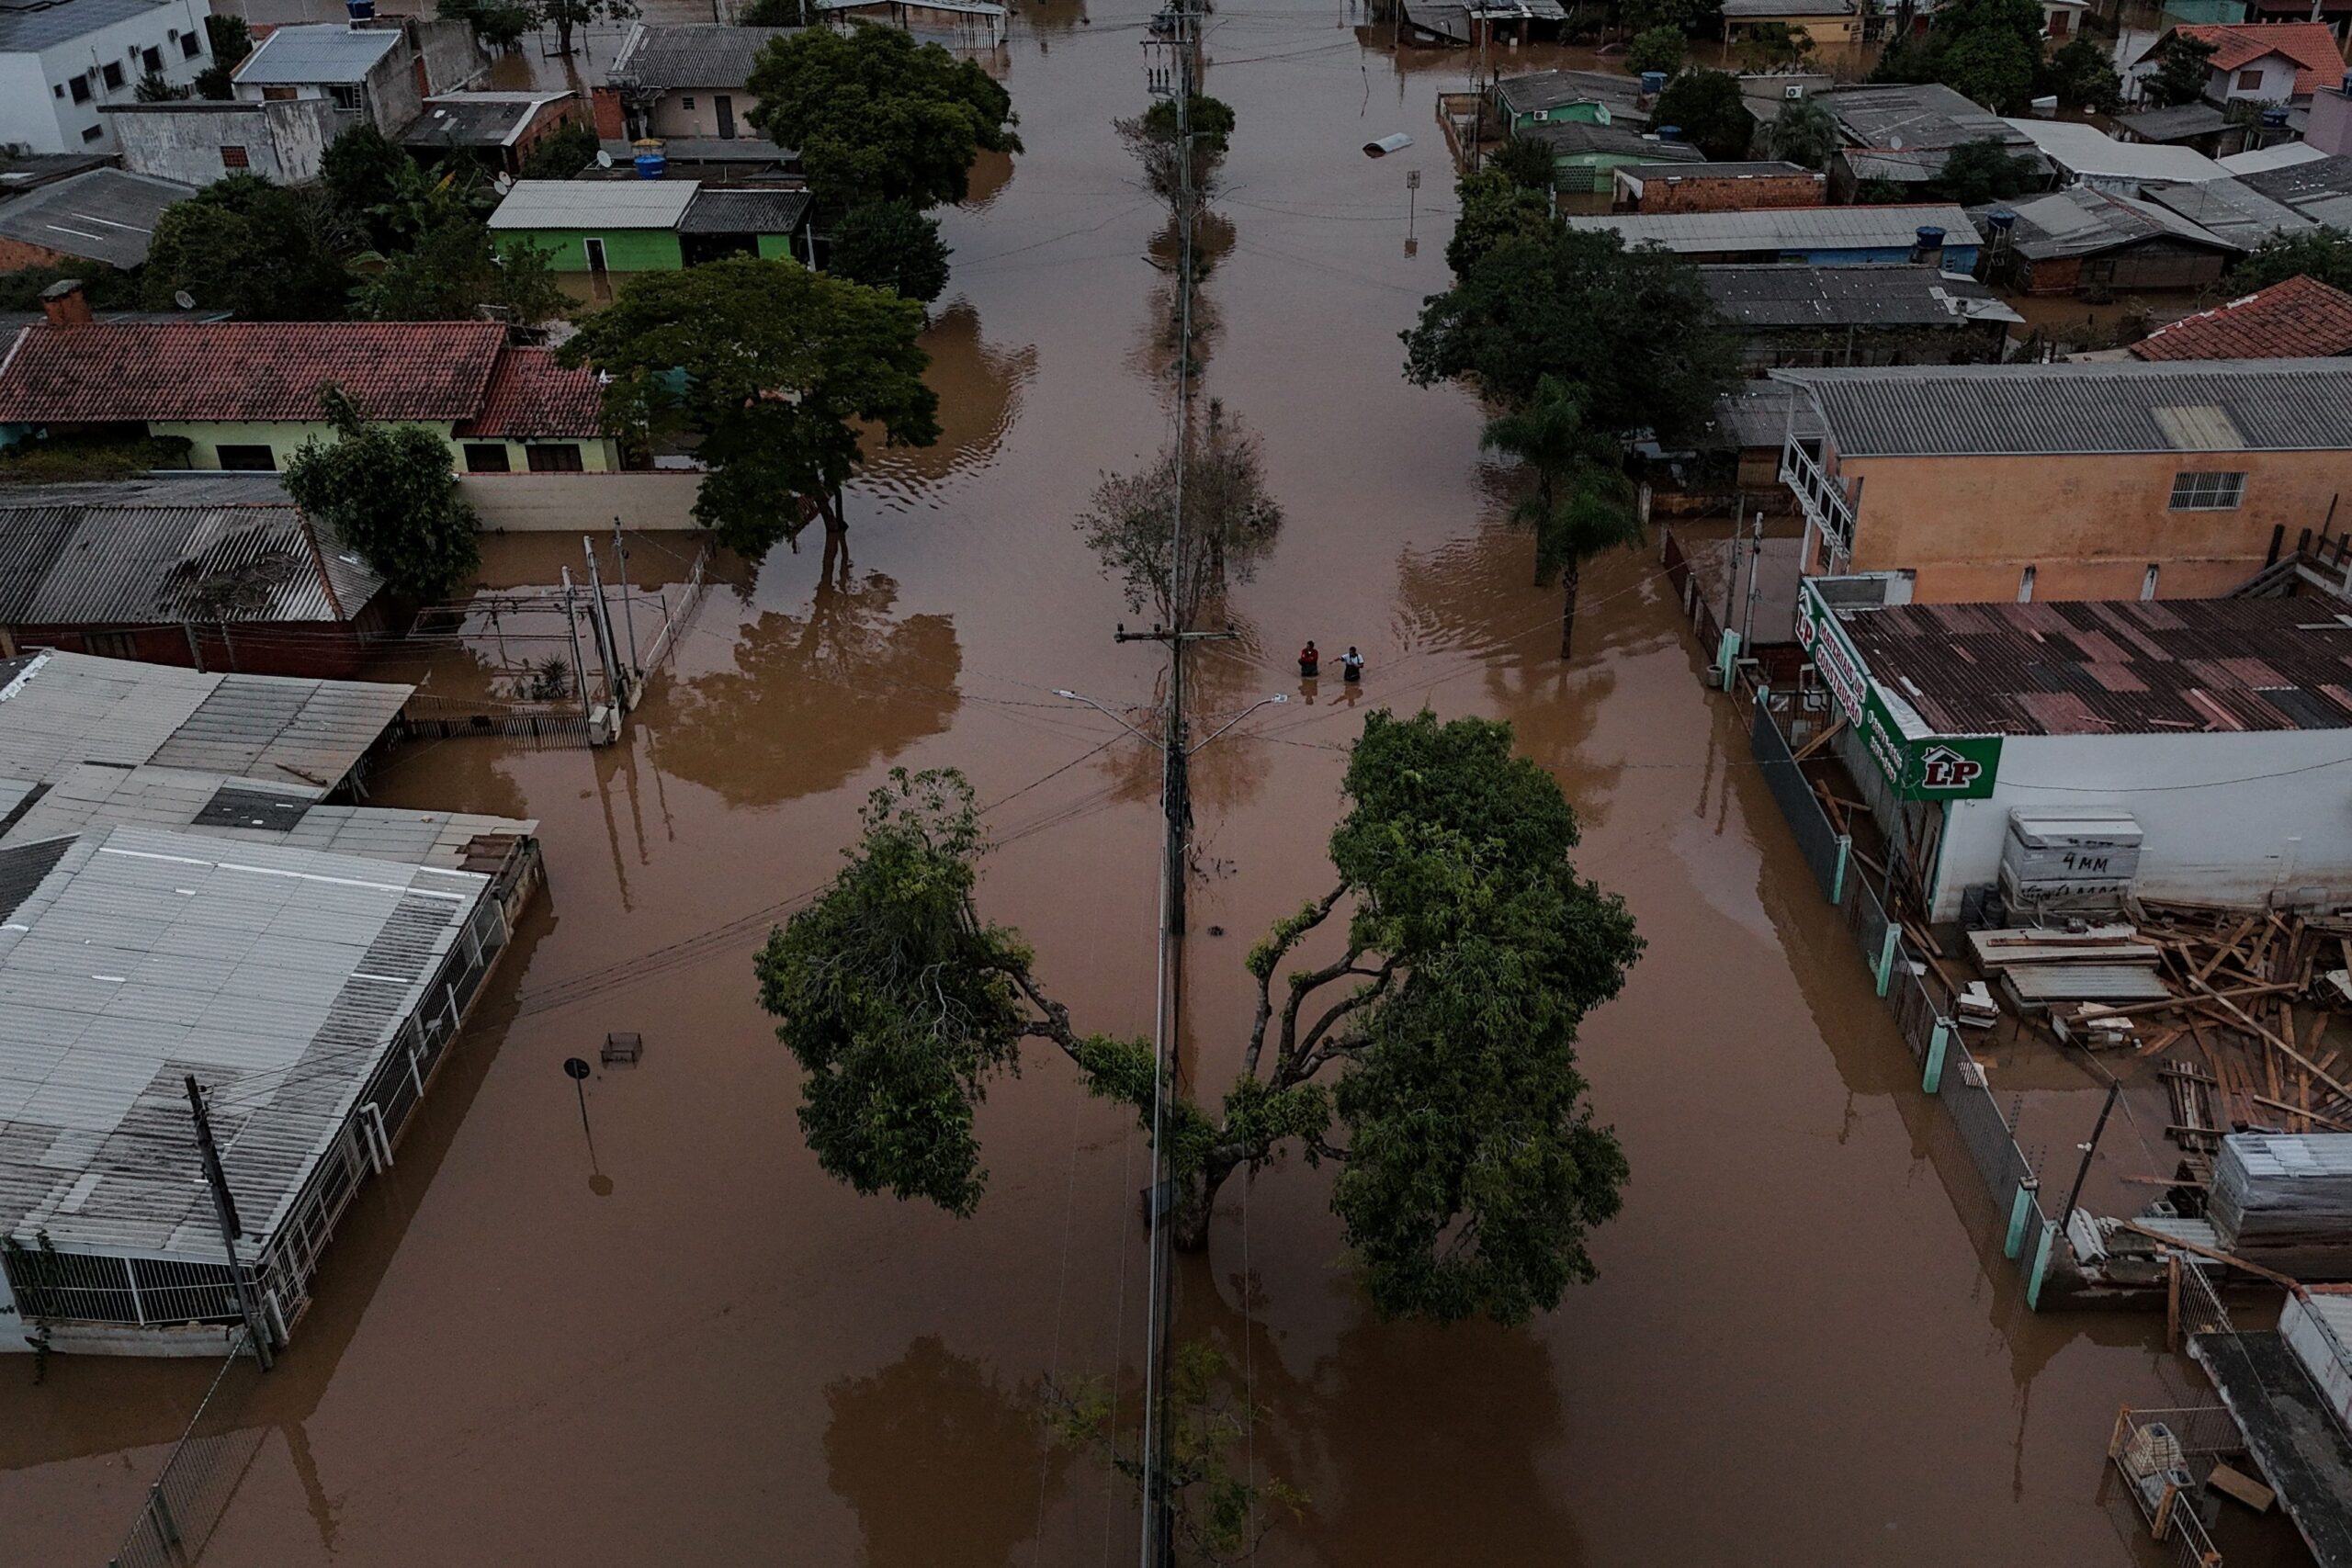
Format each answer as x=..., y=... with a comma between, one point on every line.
x=389, y=492
x=1230, y=521
x=1433, y=1055
x=1152, y=136
x=892, y=245
x=781, y=373
x=1581, y=503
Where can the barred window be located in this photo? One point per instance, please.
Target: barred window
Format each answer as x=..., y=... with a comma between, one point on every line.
x=2208, y=492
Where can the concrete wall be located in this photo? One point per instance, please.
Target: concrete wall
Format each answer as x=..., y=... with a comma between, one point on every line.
x=650, y=500
x=283, y=142
x=2276, y=87
x=694, y=112
x=285, y=438
x=2089, y=526
x=38, y=111
x=453, y=61
x=2228, y=817
x=2330, y=122
x=626, y=250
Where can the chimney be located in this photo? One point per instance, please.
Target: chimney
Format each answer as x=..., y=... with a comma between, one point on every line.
x=64, y=303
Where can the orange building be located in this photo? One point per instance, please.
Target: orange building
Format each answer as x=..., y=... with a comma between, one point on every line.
x=2105, y=481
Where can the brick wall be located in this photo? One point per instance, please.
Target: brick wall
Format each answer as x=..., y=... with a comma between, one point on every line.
x=16, y=254
x=611, y=126
x=1697, y=192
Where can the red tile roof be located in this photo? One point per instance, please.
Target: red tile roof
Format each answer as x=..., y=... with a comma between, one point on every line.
x=531, y=395
x=2299, y=319
x=246, y=370
x=2318, y=60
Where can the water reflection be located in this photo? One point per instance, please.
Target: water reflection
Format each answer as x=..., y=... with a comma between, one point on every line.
x=1154, y=354
x=944, y=1465
x=981, y=387
x=813, y=698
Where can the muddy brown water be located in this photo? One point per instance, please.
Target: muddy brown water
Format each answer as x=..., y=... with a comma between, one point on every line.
x=1804, y=1347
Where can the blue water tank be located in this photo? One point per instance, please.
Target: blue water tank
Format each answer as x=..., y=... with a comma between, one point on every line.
x=653, y=162
x=1669, y=133
x=2001, y=219
x=361, y=10
x=1653, y=82
x=2274, y=118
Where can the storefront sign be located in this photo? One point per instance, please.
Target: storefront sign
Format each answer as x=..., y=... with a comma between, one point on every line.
x=1939, y=767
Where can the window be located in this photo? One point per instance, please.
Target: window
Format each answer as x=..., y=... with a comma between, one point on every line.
x=2208, y=492
x=57, y=90
x=233, y=157
x=111, y=645
x=279, y=95
x=345, y=96
x=94, y=132
x=687, y=104
x=2025, y=587
x=487, y=457
x=152, y=59
x=191, y=45
x=563, y=460
x=248, y=459
x=2249, y=81
x=79, y=87
x=113, y=74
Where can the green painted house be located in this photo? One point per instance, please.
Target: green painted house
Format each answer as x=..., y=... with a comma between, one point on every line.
x=602, y=226
x=1585, y=156
x=1552, y=97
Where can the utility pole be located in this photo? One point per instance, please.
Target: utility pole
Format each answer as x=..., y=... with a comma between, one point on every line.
x=224, y=1210
x=628, y=613
x=601, y=620
x=579, y=666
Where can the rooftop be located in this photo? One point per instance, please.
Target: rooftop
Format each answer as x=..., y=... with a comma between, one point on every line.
x=703, y=150
x=475, y=119
x=2111, y=668
x=1914, y=116
x=1765, y=413
x=2229, y=209
x=2319, y=188
x=2082, y=221
x=308, y=53
x=1551, y=89
x=2301, y=317
x=531, y=396
x=1788, y=228
x=26, y=29
x=1793, y=294
x=2319, y=59
x=1750, y=10
x=2090, y=153
x=744, y=212
x=2278, y=155
x=2275, y=405
x=105, y=215
x=59, y=710
x=280, y=976
x=594, y=204
x=126, y=556
x=2178, y=122
x=1568, y=137
x=698, y=54
x=1748, y=171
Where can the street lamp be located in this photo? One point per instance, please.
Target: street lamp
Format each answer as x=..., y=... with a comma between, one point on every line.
x=1237, y=718
x=1114, y=718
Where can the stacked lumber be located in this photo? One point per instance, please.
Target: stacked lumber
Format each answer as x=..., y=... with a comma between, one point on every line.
x=2050, y=967
x=2285, y=1201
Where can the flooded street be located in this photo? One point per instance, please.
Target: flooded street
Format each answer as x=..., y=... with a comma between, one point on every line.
x=689, y=1346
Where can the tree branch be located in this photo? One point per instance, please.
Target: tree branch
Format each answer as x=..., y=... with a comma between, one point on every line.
x=1054, y=1026
x=1362, y=996
x=1302, y=986
x=1284, y=937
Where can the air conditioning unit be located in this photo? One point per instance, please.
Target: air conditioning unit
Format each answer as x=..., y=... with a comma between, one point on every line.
x=1793, y=91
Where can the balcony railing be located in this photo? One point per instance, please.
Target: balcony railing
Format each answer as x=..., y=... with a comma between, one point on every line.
x=1821, y=498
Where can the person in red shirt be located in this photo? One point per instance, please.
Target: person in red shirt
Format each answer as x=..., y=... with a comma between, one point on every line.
x=1310, y=663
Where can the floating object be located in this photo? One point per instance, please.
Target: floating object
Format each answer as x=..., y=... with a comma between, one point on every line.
x=623, y=1048
x=1396, y=141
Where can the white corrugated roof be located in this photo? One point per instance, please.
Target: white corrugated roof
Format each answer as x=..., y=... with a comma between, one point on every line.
x=594, y=204
x=1789, y=227
x=314, y=53
x=2090, y=153
x=2278, y=155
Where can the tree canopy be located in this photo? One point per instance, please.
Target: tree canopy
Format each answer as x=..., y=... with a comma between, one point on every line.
x=1438, y=1042
x=1989, y=50
x=389, y=492
x=890, y=244
x=1634, y=331
x=1151, y=136
x=561, y=153
x=1982, y=171
x=1230, y=521
x=1803, y=132
x=778, y=370
x=1657, y=48
x=2325, y=254
x=2083, y=77
x=1775, y=46
x=1495, y=207
x=1712, y=114
x=877, y=117
x=1581, y=502
x=2184, y=64
x=453, y=270
x=263, y=251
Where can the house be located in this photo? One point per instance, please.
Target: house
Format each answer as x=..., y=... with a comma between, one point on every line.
x=2112, y=480
x=1718, y=187
x=1541, y=97
x=2203, y=127
x=61, y=63
x=200, y=140
x=104, y=215
x=2206, y=737
x=1448, y=24
x=379, y=72
x=2229, y=209
x=1825, y=21
x=2318, y=188
x=680, y=81
x=214, y=573
x=1901, y=134
x=2084, y=240
x=2084, y=156
x=172, y=852
x=1828, y=236
x=2261, y=62
x=602, y=227
x=1789, y=313
x=245, y=395
x=2299, y=318
x=1585, y=156
x=496, y=129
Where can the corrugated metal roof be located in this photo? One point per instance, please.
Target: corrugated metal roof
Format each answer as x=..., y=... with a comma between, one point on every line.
x=594, y=204
x=316, y=53
x=70, y=708
x=145, y=565
x=107, y=215
x=1788, y=228
x=2091, y=154
x=1914, y=116
x=2091, y=667
x=744, y=212
x=31, y=28
x=2278, y=155
x=1747, y=171
x=475, y=119
x=2178, y=122
x=697, y=55
x=2229, y=210
x=2082, y=221
x=1796, y=294
x=2313, y=186
x=2275, y=405
x=278, y=977
x=1551, y=89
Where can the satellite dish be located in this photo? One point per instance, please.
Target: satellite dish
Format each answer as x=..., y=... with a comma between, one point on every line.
x=604, y=159
x=184, y=300
x=504, y=183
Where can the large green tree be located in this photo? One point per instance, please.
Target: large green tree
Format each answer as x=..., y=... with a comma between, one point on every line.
x=2081, y=76
x=877, y=117
x=1495, y=207
x=387, y=490
x=266, y=253
x=1152, y=138
x=779, y=372
x=453, y=270
x=2184, y=65
x=1657, y=48
x=890, y=245
x=1711, y=112
x=2325, y=254
x=1431, y=1054
x=1631, y=330
x=1989, y=50
x=1803, y=132
x=1982, y=171
x=1580, y=503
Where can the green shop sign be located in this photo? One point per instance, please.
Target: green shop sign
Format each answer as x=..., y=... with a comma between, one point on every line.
x=1935, y=767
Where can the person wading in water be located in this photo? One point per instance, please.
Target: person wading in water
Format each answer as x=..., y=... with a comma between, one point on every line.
x=1310, y=663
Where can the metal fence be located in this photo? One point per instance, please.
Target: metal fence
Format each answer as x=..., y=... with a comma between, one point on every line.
x=185, y=1505
x=1922, y=1010
x=2164, y=1457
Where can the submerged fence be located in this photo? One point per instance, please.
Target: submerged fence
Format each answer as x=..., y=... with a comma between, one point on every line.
x=185, y=1505
x=1922, y=1008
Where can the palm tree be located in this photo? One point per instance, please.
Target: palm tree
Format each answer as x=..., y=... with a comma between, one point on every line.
x=1582, y=503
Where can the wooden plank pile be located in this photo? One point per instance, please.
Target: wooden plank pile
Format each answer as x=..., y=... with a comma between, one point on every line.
x=2059, y=970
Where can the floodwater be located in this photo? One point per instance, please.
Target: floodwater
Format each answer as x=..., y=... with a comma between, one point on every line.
x=686, y=1345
